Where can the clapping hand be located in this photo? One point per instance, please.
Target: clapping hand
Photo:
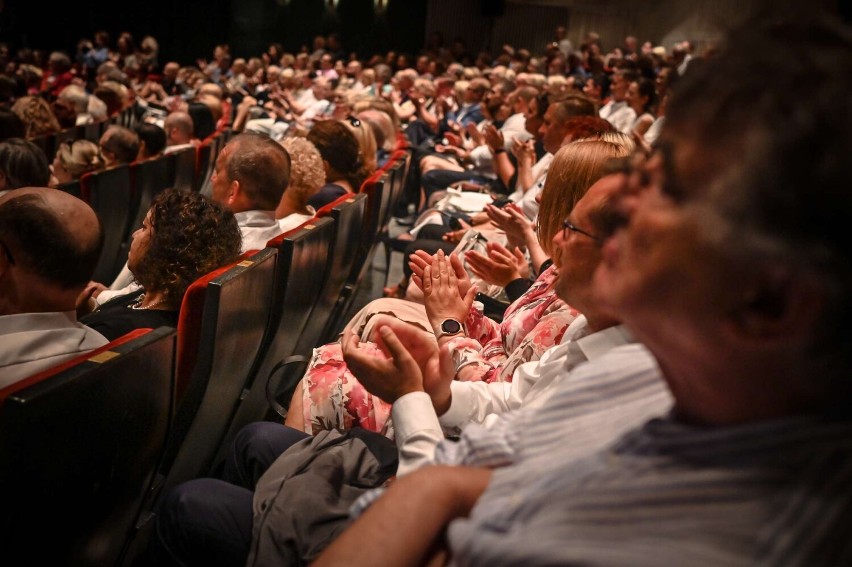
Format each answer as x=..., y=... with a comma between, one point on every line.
x=511, y=220
x=441, y=291
x=500, y=267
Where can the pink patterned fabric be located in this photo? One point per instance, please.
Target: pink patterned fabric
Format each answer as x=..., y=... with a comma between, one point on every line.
x=333, y=398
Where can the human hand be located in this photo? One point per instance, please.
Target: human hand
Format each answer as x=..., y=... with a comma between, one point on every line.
x=494, y=138
x=441, y=292
x=453, y=139
x=455, y=236
x=474, y=134
x=436, y=364
x=388, y=378
x=86, y=300
x=524, y=152
x=500, y=266
x=247, y=102
x=513, y=222
x=421, y=259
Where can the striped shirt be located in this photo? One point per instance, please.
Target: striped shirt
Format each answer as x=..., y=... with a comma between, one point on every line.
x=665, y=493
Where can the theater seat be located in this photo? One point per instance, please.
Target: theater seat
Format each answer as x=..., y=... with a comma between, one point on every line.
x=348, y=213
x=301, y=272
x=79, y=445
x=110, y=193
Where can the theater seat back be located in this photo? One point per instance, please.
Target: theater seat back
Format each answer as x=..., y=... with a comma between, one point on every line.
x=79, y=446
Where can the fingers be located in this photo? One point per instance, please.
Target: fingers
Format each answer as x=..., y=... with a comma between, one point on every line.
x=457, y=265
x=470, y=296
x=426, y=281
x=349, y=343
x=394, y=346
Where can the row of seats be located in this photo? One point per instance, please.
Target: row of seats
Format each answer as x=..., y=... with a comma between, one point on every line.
x=91, y=132
x=88, y=449
x=122, y=195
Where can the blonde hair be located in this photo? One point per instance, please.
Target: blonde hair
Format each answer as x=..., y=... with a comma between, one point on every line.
x=79, y=157
x=37, y=116
x=307, y=173
x=366, y=142
x=575, y=167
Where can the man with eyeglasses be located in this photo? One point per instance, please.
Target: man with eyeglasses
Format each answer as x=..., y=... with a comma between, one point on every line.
x=731, y=264
x=49, y=245
x=210, y=519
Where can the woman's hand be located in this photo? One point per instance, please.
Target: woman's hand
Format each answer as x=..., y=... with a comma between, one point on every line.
x=420, y=260
x=441, y=292
x=86, y=300
x=511, y=220
x=500, y=266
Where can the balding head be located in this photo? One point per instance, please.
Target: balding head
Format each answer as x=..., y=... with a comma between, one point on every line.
x=179, y=128
x=51, y=239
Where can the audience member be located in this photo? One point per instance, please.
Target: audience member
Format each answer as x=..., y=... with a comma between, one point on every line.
x=51, y=242
x=74, y=159
x=152, y=140
x=119, y=145
x=37, y=116
x=179, y=132
x=763, y=428
x=483, y=349
x=22, y=164
x=250, y=176
x=183, y=237
x=342, y=160
x=11, y=125
x=307, y=176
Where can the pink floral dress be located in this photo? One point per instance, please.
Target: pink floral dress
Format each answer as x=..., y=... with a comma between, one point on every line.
x=334, y=399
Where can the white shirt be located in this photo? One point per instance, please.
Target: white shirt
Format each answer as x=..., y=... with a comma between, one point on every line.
x=257, y=228
x=32, y=342
x=526, y=200
x=619, y=114
x=418, y=430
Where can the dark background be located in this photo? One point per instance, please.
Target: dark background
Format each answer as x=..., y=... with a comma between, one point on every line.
x=187, y=30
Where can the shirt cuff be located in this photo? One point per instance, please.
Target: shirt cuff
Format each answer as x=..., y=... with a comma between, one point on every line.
x=411, y=414
x=516, y=288
x=459, y=412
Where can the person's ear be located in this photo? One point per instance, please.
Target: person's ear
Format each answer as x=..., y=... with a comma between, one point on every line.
x=778, y=304
x=234, y=192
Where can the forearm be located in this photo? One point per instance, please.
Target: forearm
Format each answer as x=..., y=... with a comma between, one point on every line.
x=525, y=178
x=503, y=166
x=407, y=522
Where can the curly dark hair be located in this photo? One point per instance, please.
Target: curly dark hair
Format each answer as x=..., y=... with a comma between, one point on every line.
x=191, y=236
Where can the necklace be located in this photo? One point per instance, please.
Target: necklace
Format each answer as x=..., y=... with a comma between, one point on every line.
x=138, y=303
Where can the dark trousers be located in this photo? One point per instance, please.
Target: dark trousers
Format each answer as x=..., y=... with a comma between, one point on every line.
x=208, y=521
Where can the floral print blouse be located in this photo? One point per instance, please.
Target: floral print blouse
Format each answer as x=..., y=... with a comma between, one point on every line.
x=334, y=399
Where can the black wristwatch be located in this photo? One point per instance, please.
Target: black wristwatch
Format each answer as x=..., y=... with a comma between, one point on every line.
x=451, y=327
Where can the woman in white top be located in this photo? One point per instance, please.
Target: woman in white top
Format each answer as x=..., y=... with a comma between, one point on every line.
x=641, y=97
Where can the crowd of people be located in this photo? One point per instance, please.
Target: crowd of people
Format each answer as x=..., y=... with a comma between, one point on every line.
x=668, y=231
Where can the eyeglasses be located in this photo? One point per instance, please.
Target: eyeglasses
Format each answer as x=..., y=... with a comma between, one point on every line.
x=353, y=121
x=567, y=225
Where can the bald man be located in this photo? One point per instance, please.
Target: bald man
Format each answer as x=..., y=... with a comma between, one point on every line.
x=49, y=245
x=179, y=132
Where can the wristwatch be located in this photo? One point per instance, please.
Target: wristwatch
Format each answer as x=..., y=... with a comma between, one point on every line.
x=451, y=327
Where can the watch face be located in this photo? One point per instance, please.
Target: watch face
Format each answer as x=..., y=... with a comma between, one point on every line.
x=451, y=326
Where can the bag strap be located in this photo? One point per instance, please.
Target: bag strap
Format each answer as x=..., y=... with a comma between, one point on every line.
x=270, y=395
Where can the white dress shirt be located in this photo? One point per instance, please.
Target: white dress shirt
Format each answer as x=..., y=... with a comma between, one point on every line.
x=418, y=430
